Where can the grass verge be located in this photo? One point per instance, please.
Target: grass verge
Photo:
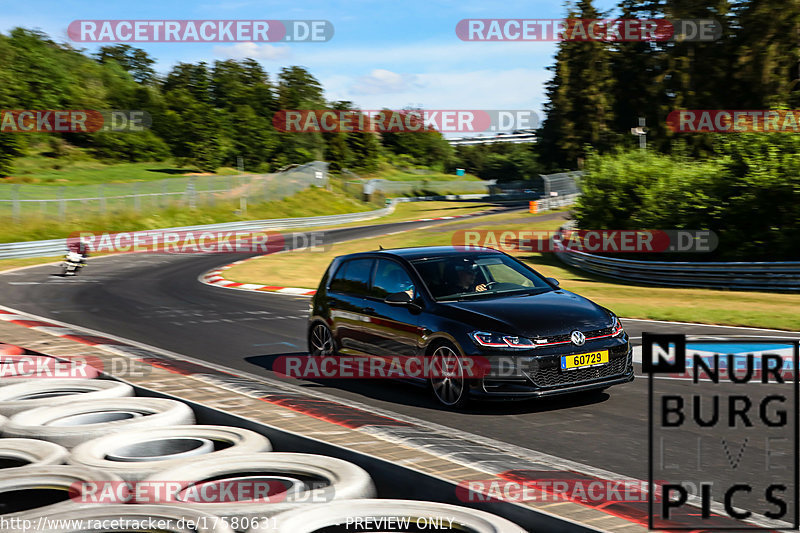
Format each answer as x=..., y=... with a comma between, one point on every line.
x=10, y=264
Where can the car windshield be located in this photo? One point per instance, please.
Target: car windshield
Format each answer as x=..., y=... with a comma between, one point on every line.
x=455, y=277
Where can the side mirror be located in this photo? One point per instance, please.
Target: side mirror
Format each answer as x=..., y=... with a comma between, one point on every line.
x=554, y=281
x=398, y=298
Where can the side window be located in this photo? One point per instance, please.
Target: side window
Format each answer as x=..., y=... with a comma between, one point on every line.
x=390, y=277
x=353, y=277
x=336, y=283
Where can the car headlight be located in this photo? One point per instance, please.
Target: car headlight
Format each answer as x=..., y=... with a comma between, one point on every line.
x=616, y=327
x=497, y=340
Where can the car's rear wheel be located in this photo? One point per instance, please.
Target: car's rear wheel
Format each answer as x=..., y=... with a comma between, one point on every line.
x=449, y=386
x=320, y=340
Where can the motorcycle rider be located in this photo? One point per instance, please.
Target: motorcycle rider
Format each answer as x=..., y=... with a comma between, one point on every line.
x=80, y=248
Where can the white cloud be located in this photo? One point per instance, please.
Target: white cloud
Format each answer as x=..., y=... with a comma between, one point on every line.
x=382, y=81
x=266, y=52
x=435, y=56
x=512, y=89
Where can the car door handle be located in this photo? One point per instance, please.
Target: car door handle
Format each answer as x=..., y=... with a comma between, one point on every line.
x=369, y=310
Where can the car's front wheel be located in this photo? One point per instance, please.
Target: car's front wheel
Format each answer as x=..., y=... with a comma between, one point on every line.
x=447, y=382
x=320, y=340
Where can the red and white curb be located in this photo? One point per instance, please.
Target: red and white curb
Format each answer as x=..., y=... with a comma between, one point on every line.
x=216, y=278
x=58, y=330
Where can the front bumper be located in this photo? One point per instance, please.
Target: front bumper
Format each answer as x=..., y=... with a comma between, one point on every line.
x=541, y=375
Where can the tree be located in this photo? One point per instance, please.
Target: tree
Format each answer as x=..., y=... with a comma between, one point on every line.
x=765, y=53
x=134, y=60
x=196, y=137
x=195, y=79
x=298, y=89
x=252, y=138
x=579, y=104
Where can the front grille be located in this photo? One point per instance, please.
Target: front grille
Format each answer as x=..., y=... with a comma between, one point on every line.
x=555, y=377
x=589, y=334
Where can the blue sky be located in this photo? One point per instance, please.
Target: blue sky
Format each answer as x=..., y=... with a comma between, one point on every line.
x=383, y=54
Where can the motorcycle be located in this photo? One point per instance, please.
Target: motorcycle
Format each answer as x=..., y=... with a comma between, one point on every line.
x=72, y=263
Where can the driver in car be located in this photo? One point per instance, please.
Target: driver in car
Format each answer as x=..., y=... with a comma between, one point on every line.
x=467, y=274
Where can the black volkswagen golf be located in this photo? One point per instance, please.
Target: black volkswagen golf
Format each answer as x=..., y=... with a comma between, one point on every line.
x=454, y=305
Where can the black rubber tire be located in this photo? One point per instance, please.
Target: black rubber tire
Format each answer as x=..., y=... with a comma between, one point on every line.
x=449, y=392
x=320, y=340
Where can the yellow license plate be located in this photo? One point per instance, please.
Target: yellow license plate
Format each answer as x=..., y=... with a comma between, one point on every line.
x=584, y=360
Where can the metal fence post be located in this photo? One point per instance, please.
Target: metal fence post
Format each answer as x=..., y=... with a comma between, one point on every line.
x=62, y=204
x=191, y=193
x=15, y=214
x=243, y=205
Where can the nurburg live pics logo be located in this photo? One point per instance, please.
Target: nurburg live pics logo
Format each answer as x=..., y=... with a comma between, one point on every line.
x=722, y=445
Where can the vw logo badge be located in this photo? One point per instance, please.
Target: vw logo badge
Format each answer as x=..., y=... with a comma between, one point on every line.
x=577, y=338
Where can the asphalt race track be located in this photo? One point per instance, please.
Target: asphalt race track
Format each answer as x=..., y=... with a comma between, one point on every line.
x=158, y=300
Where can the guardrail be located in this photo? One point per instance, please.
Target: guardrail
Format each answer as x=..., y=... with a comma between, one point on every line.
x=761, y=276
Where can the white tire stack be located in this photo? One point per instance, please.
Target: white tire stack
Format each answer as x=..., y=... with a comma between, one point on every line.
x=126, y=442
x=24, y=453
x=79, y=421
x=137, y=454
x=47, y=489
x=31, y=393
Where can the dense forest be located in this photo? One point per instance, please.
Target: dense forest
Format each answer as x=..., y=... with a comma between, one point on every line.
x=599, y=90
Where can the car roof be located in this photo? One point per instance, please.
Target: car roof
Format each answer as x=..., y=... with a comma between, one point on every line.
x=424, y=252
